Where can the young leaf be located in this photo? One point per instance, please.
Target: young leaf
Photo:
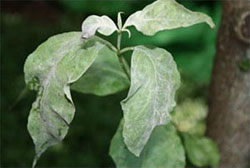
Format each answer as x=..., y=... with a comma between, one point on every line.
x=164, y=15
x=164, y=149
x=104, y=77
x=102, y=24
x=50, y=69
x=201, y=151
x=154, y=81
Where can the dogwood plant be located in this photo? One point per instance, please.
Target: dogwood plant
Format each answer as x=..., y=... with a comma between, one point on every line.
x=86, y=63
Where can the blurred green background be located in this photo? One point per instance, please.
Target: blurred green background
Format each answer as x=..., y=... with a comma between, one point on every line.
x=26, y=24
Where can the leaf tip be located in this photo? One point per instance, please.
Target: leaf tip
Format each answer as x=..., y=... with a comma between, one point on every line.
x=134, y=150
x=35, y=161
x=211, y=23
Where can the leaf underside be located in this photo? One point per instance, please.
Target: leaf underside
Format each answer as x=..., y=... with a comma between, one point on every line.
x=164, y=149
x=164, y=15
x=154, y=81
x=50, y=70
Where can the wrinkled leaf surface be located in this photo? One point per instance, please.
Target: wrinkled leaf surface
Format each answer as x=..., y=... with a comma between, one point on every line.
x=50, y=70
x=165, y=15
x=154, y=81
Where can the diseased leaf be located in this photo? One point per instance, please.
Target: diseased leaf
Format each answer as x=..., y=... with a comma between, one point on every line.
x=50, y=69
x=164, y=149
x=201, y=151
x=189, y=116
x=102, y=24
x=164, y=15
x=104, y=77
x=154, y=81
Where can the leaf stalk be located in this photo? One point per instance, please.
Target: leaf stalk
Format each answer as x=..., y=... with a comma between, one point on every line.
x=122, y=51
x=122, y=61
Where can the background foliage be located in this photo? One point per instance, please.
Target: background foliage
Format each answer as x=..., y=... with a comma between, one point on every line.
x=24, y=25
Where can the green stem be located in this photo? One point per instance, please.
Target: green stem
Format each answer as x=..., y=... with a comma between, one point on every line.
x=123, y=62
x=111, y=47
x=125, y=66
x=119, y=38
x=107, y=44
x=126, y=49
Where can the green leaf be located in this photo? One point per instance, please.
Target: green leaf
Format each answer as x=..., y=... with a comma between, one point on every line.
x=50, y=69
x=154, y=81
x=164, y=149
x=104, y=77
x=164, y=15
x=102, y=24
x=198, y=129
x=189, y=116
x=201, y=151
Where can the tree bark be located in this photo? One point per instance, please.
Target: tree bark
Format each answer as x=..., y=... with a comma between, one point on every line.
x=229, y=104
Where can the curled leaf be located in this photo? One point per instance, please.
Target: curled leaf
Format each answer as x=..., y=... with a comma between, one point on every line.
x=154, y=81
x=102, y=24
x=119, y=20
x=50, y=69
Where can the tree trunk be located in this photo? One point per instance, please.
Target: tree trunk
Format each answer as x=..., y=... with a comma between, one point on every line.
x=229, y=106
